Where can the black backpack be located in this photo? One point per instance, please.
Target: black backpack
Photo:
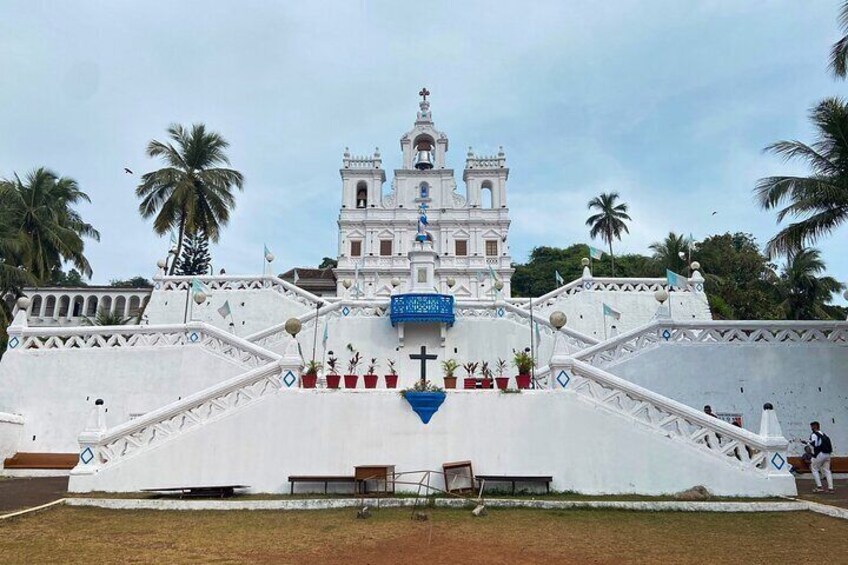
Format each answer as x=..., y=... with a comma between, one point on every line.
x=825, y=446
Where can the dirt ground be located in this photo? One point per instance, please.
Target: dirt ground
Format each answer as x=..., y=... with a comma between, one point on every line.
x=86, y=535
x=17, y=494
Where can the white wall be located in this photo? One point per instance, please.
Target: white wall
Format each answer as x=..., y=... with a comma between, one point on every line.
x=55, y=389
x=804, y=382
x=11, y=427
x=296, y=432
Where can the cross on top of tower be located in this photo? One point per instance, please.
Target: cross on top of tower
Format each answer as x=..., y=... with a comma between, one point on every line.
x=424, y=94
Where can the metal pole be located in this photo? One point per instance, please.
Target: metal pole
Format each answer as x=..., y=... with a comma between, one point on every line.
x=532, y=348
x=315, y=333
x=188, y=300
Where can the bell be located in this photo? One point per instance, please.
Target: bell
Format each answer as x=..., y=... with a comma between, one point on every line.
x=424, y=160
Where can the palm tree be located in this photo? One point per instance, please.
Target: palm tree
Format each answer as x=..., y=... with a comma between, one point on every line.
x=46, y=229
x=667, y=253
x=609, y=221
x=106, y=318
x=839, y=51
x=191, y=193
x=819, y=201
x=804, y=293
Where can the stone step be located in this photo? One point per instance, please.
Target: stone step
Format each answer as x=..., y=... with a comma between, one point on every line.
x=41, y=461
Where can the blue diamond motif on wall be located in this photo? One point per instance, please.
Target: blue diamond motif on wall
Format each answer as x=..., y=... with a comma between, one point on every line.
x=500, y=312
x=345, y=310
x=778, y=461
x=563, y=379
x=193, y=337
x=13, y=343
x=587, y=285
x=666, y=335
x=157, y=286
x=289, y=379
x=86, y=456
x=699, y=287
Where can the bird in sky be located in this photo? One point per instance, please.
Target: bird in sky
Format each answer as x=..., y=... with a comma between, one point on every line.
x=714, y=213
x=126, y=170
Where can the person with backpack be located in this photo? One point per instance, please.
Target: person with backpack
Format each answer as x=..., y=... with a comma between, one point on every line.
x=822, y=448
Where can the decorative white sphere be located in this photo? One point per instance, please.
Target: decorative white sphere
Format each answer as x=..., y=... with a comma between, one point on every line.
x=346, y=283
x=395, y=282
x=293, y=326
x=269, y=256
x=585, y=261
x=695, y=265
x=498, y=285
x=200, y=297
x=661, y=295
x=161, y=263
x=23, y=303
x=845, y=295
x=558, y=319
x=451, y=282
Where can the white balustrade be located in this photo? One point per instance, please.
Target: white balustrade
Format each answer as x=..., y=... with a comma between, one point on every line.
x=66, y=306
x=645, y=285
x=233, y=282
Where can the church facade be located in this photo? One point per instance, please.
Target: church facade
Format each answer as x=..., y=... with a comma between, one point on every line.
x=469, y=232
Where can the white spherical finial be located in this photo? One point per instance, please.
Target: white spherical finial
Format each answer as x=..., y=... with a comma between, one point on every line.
x=200, y=297
x=584, y=261
x=293, y=326
x=23, y=303
x=661, y=295
x=845, y=295
x=451, y=282
x=395, y=282
x=695, y=265
x=161, y=263
x=269, y=256
x=346, y=283
x=498, y=285
x=558, y=319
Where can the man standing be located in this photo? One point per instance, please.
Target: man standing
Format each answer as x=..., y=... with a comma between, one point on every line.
x=822, y=448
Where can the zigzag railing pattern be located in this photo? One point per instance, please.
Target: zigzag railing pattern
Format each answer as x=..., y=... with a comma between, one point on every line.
x=677, y=421
x=229, y=283
x=660, y=332
x=611, y=284
x=211, y=339
x=98, y=448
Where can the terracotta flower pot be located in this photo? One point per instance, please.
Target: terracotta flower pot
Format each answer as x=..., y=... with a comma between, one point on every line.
x=333, y=381
x=469, y=383
x=450, y=382
x=351, y=380
x=308, y=381
x=502, y=382
x=391, y=381
x=370, y=381
x=485, y=383
x=522, y=381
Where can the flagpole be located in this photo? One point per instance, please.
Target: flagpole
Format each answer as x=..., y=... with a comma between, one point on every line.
x=605, y=327
x=315, y=334
x=532, y=349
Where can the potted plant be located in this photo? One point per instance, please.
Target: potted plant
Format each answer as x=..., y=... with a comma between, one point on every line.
x=449, y=367
x=333, y=377
x=524, y=363
x=501, y=381
x=486, y=381
x=391, y=377
x=351, y=378
x=310, y=377
x=370, y=376
x=470, y=381
x=424, y=398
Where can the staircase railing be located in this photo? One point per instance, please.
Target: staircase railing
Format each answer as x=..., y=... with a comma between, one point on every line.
x=673, y=419
x=237, y=282
x=611, y=284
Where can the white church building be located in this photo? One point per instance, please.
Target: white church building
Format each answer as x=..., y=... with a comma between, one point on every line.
x=211, y=388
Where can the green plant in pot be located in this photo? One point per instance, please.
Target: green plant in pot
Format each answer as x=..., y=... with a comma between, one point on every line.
x=351, y=378
x=501, y=381
x=310, y=376
x=370, y=377
x=524, y=363
x=391, y=376
x=333, y=377
x=470, y=381
x=449, y=367
x=486, y=381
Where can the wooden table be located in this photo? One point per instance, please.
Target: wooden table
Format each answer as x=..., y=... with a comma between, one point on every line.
x=364, y=473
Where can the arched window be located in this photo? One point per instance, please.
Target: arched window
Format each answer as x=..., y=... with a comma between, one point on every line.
x=35, y=307
x=135, y=305
x=50, y=307
x=105, y=304
x=120, y=306
x=361, y=195
x=486, y=194
x=91, y=306
x=77, y=310
x=64, y=306
x=424, y=190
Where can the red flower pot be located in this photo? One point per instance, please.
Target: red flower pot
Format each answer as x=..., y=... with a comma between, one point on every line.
x=469, y=383
x=502, y=382
x=370, y=381
x=450, y=382
x=486, y=383
x=522, y=381
x=333, y=381
x=308, y=381
x=391, y=381
x=350, y=381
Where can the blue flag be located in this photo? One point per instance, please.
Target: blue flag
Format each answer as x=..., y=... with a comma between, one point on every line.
x=595, y=253
x=675, y=280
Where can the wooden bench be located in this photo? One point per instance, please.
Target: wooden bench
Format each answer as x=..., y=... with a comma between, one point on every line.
x=538, y=479
x=63, y=461
x=837, y=465
x=220, y=491
x=326, y=479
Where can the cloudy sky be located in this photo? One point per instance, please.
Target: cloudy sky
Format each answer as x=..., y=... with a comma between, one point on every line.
x=667, y=102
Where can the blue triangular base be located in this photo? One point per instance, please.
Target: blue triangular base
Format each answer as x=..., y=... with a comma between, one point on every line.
x=425, y=404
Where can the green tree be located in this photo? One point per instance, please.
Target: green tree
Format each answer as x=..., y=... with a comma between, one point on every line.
x=328, y=262
x=195, y=259
x=40, y=210
x=819, y=202
x=839, y=51
x=672, y=253
x=72, y=278
x=192, y=192
x=803, y=291
x=105, y=318
x=609, y=222
x=134, y=282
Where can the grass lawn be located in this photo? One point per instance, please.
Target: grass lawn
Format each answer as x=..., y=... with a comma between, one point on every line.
x=89, y=535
